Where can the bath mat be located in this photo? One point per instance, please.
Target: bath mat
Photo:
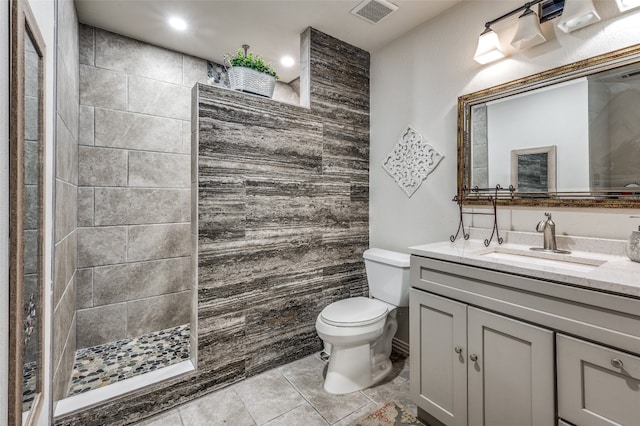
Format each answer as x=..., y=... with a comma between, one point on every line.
x=389, y=414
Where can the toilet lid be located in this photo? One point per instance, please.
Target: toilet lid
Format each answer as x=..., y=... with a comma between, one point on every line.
x=354, y=312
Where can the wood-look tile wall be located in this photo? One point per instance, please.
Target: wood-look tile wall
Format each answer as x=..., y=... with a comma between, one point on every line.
x=282, y=225
x=282, y=210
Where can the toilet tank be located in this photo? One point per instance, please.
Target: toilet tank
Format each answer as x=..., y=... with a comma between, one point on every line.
x=388, y=276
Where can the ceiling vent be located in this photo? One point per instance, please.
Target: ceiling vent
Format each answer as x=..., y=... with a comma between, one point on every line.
x=631, y=75
x=627, y=74
x=374, y=11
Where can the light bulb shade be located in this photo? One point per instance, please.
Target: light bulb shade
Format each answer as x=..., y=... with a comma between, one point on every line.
x=577, y=14
x=488, y=48
x=625, y=5
x=528, y=33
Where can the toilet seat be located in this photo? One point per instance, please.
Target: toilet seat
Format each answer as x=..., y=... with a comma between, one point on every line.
x=354, y=312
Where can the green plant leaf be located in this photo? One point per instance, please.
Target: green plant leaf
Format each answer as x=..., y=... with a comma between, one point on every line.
x=250, y=61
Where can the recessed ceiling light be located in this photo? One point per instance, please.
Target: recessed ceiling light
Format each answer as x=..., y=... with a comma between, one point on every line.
x=287, y=61
x=178, y=23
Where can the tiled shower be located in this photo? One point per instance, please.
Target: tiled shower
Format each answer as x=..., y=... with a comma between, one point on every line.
x=279, y=234
x=131, y=276
x=134, y=191
x=123, y=270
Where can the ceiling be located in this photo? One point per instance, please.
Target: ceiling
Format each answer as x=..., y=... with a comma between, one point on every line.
x=271, y=27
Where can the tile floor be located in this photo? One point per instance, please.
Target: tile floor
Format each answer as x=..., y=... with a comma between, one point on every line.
x=289, y=395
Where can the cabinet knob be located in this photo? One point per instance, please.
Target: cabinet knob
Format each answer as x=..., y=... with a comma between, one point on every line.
x=473, y=357
x=458, y=349
x=617, y=363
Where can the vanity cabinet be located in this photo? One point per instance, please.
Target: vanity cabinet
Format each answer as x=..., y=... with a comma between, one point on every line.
x=497, y=348
x=479, y=368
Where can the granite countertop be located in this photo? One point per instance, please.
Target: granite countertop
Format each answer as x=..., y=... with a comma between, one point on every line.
x=594, y=263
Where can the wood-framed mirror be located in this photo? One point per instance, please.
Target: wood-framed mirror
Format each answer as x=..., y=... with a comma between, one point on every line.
x=26, y=216
x=588, y=111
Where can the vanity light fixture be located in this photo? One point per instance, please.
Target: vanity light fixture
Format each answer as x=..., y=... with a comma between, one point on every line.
x=577, y=14
x=625, y=5
x=528, y=34
x=488, y=49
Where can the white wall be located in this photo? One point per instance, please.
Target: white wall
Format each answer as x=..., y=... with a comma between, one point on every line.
x=44, y=12
x=4, y=210
x=417, y=79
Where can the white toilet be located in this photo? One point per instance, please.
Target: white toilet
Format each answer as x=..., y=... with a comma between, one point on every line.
x=359, y=330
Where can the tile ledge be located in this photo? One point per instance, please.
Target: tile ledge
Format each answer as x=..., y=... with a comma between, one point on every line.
x=87, y=399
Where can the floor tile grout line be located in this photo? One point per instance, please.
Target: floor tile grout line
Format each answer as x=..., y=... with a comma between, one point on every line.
x=320, y=414
x=294, y=386
x=232, y=389
x=277, y=370
x=284, y=414
x=350, y=414
x=313, y=406
x=370, y=399
x=303, y=396
x=180, y=416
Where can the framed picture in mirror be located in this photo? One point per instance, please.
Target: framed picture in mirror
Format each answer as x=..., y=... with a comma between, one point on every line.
x=533, y=170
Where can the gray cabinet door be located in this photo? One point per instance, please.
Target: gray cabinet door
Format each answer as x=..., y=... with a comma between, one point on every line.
x=510, y=371
x=438, y=376
x=597, y=385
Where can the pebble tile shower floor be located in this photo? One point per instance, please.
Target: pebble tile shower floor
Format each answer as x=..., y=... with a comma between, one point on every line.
x=29, y=385
x=103, y=365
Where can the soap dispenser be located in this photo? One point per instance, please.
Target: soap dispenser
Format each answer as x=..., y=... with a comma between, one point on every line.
x=633, y=245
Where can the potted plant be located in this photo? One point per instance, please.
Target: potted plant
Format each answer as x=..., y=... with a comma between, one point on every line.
x=249, y=73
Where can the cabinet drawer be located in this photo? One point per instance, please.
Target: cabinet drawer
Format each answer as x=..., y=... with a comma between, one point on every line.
x=597, y=385
x=599, y=317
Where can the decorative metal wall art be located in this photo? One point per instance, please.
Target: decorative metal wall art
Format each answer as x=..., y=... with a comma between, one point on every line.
x=411, y=161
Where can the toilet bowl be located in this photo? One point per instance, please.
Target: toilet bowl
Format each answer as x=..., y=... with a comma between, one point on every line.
x=360, y=330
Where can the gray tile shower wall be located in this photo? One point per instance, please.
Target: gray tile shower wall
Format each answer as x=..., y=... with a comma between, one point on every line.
x=134, y=187
x=283, y=223
x=66, y=236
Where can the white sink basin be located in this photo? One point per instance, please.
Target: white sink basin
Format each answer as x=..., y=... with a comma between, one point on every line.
x=543, y=259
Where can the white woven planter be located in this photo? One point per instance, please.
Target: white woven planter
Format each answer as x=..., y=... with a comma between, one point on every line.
x=252, y=81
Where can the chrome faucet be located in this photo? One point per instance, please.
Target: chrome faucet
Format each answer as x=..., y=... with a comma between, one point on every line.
x=548, y=228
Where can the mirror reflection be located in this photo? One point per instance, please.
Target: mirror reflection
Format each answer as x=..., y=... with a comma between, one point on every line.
x=32, y=218
x=592, y=121
x=580, y=135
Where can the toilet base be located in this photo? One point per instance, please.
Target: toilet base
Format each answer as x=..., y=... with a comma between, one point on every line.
x=350, y=370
